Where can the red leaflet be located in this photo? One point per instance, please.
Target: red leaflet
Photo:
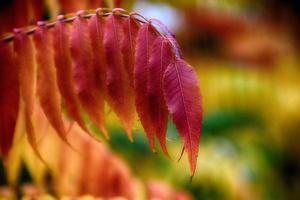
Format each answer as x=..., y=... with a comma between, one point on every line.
x=96, y=27
x=63, y=65
x=185, y=105
x=161, y=57
x=25, y=59
x=120, y=94
x=144, y=41
x=128, y=45
x=81, y=51
x=9, y=97
x=47, y=88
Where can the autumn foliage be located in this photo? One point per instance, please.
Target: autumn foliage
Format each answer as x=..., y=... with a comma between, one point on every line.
x=82, y=61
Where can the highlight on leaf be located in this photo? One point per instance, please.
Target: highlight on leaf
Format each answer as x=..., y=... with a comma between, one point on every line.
x=25, y=59
x=131, y=28
x=120, y=93
x=88, y=93
x=97, y=28
x=95, y=56
x=63, y=64
x=161, y=56
x=47, y=88
x=145, y=39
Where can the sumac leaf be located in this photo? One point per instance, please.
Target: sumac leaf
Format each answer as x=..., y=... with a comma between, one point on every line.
x=131, y=28
x=89, y=95
x=64, y=73
x=96, y=28
x=120, y=94
x=161, y=56
x=144, y=41
x=9, y=97
x=25, y=59
x=47, y=88
x=184, y=104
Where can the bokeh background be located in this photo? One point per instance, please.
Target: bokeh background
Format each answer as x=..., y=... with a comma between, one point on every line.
x=246, y=54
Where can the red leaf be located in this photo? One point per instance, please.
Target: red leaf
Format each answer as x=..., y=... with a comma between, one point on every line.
x=9, y=97
x=120, y=94
x=25, y=59
x=63, y=64
x=185, y=106
x=128, y=45
x=161, y=56
x=97, y=27
x=47, y=88
x=144, y=41
x=89, y=95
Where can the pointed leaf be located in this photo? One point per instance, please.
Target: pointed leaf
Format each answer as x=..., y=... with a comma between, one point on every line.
x=160, y=58
x=96, y=28
x=120, y=94
x=25, y=59
x=9, y=97
x=128, y=45
x=81, y=51
x=47, y=88
x=63, y=64
x=185, y=106
x=144, y=41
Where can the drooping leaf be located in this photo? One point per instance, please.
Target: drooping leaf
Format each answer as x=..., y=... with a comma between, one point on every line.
x=47, y=88
x=25, y=59
x=184, y=104
x=161, y=56
x=89, y=95
x=144, y=41
x=120, y=94
x=63, y=64
x=9, y=97
x=96, y=28
x=128, y=45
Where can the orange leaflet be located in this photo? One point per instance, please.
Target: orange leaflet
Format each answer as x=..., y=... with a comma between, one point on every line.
x=47, y=88
x=63, y=64
x=144, y=41
x=9, y=97
x=25, y=59
x=120, y=94
x=161, y=56
x=185, y=105
x=89, y=95
x=128, y=45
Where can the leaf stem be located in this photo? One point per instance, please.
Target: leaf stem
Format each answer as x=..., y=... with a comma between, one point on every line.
x=68, y=18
